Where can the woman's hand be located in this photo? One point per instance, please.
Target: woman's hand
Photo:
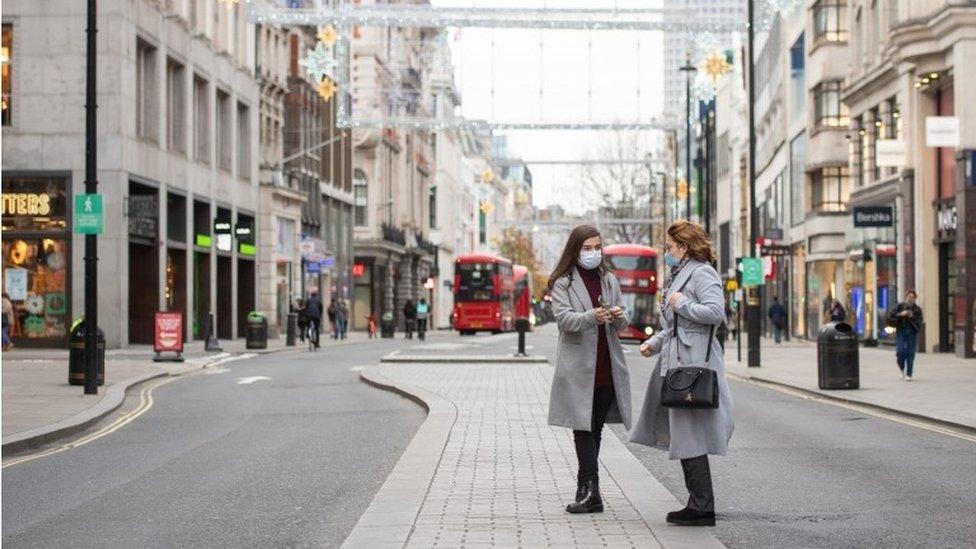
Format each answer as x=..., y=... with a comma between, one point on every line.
x=673, y=299
x=602, y=315
x=616, y=313
x=645, y=350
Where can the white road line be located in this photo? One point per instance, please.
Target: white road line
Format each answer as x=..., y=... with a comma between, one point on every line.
x=250, y=380
x=357, y=368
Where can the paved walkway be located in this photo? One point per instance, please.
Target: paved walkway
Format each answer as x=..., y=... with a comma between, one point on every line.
x=942, y=387
x=486, y=470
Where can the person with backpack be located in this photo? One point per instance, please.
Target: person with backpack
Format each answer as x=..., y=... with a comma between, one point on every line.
x=777, y=316
x=423, y=311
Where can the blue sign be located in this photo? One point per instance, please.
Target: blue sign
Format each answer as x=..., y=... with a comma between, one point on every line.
x=857, y=303
x=328, y=262
x=313, y=267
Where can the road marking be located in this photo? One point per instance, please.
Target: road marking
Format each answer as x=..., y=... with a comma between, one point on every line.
x=146, y=402
x=920, y=424
x=357, y=368
x=250, y=380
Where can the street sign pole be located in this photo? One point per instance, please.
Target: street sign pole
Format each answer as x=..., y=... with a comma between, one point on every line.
x=753, y=310
x=91, y=187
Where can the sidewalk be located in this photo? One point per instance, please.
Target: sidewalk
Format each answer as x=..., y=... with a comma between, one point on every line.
x=485, y=468
x=40, y=406
x=942, y=387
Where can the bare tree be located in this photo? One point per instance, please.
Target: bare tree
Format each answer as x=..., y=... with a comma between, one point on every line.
x=621, y=190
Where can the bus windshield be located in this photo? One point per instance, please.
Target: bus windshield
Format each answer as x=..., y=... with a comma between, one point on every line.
x=475, y=281
x=632, y=263
x=640, y=307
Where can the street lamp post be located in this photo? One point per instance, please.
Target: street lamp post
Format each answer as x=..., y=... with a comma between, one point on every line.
x=753, y=310
x=91, y=187
x=689, y=70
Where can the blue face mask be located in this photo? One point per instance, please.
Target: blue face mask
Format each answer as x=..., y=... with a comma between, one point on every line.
x=670, y=260
x=590, y=259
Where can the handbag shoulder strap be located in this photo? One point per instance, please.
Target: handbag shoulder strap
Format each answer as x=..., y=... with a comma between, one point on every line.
x=711, y=330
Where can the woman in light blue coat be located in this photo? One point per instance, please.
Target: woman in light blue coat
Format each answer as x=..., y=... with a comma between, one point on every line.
x=693, y=295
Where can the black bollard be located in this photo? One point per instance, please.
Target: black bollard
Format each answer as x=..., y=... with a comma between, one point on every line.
x=211, y=344
x=521, y=325
x=292, y=330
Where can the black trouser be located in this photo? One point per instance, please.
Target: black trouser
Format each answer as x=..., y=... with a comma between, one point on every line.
x=588, y=442
x=698, y=481
x=422, y=328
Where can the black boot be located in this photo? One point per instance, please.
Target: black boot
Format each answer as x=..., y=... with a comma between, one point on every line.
x=691, y=517
x=580, y=490
x=591, y=501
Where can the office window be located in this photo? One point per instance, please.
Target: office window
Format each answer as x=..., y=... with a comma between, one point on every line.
x=828, y=21
x=201, y=120
x=828, y=110
x=798, y=177
x=830, y=189
x=224, y=140
x=360, y=195
x=6, y=47
x=146, y=111
x=175, y=107
x=243, y=141
x=432, y=206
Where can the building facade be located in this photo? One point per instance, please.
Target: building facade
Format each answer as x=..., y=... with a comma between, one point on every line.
x=177, y=143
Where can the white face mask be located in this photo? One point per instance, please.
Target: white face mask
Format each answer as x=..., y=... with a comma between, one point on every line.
x=590, y=259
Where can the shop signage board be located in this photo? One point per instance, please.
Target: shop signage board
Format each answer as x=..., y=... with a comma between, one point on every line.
x=143, y=214
x=947, y=220
x=873, y=216
x=752, y=271
x=169, y=335
x=780, y=250
x=313, y=267
x=941, y=131
x=89, y=217
x=222, y=230
x=773, y=233
x=328, y=262
x=890, y=153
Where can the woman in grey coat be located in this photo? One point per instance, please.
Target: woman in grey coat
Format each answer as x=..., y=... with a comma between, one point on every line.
x=590, y=385
x=693, y=294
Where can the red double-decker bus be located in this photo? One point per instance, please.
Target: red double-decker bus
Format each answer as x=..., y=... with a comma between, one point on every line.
x=523, y=292
x=635, y=267
x=483, y=294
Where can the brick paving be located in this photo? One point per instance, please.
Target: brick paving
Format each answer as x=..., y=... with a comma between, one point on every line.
x=501, y=476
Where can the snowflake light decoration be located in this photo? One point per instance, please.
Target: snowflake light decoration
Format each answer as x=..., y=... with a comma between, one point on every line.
x=319, y=63
x=327, y=88
x=715, y=66
x=328, y=35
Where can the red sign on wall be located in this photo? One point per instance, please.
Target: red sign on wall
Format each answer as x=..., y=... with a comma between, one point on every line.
x=169, y=332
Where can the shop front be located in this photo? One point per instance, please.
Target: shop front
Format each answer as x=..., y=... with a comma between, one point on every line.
x=946, y=223
x=871, y=271
x=244, y=233
x=798, y=299
x=824, y=284
x=37, y=258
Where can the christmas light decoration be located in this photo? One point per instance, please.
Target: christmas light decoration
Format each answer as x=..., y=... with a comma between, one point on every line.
x=328, y=35
x=326, y=89
x=319, y=63
x=715, y=66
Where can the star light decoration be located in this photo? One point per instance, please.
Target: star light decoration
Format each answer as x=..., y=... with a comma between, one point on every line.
x=328, y=35
x=327, y=88
x=319, y=63
x=715, y=66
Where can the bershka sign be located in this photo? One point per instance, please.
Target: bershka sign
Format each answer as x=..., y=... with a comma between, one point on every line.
x=873, y=216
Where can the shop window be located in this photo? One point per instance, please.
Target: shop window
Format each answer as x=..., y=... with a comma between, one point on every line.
x=829, y=111
x=146, y=91
x=6, y=55
x=830, y=189
x=829, y=24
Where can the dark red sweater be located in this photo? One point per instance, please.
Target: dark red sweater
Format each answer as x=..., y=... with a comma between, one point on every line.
x=604, y=377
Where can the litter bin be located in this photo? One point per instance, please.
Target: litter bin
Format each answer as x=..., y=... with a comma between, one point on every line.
x=256, y=331
x=838, y=365
x=387, y=325
x=76, y=355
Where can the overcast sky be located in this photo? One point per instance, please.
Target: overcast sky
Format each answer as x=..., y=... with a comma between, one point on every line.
x=573, y=76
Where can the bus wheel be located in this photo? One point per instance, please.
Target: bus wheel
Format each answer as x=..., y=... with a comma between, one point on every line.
x=467, y=332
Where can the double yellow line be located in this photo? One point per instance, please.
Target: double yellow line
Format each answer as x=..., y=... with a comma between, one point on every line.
x=145, y=403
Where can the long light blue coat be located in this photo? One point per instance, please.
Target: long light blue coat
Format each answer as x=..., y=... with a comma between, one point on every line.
x=684, y=432
x=571, y=397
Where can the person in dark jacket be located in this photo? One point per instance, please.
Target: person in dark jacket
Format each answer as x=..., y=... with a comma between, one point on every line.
x=409, y=318
x=313, y=309
x=777, y=316
x=302, y=318
x=332, y=319
x=906, y=318
x=837, y=312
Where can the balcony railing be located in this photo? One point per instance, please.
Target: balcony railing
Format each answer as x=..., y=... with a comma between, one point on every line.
x=394, y=235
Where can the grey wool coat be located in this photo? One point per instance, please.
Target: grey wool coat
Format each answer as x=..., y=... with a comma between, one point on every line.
x=684, y=432
x=571, y=397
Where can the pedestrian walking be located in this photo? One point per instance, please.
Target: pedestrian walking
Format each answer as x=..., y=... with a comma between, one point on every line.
x=590, y=385
x=409, y=318
x=8, y=321
x=777, y=317
x=692, y=306
x=906, y=318
x=302, y=318
x=313, y=309
x=837, y=312
x=332, y=319
x=371, y=325
x=342, y=319
x=423, y=311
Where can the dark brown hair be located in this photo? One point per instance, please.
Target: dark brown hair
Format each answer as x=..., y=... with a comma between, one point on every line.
x=571, y=252
x=694, y=239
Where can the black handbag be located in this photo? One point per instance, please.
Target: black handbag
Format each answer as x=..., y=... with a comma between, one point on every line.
x=690, y=386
